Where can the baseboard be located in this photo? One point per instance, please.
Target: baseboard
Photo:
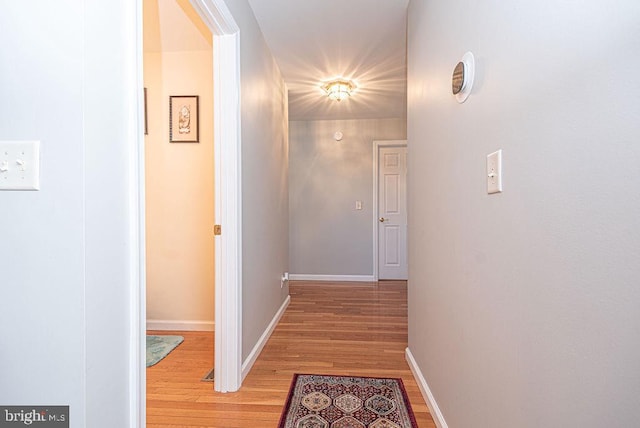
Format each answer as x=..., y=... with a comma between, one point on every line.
x=349, y=278
x=180, y=325
x=438, y=418
x=255, y=352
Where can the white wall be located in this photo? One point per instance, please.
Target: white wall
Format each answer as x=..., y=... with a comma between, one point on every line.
x=327, y=235
x=265, y=193
x=65, y=319
x=179, y=195
x=523, y=306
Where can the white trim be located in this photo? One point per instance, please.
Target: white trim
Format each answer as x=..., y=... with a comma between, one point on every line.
x=349, y=278
x=228, y=187
x=180, y=325
x=228, y=206
x=255, y=352
x=217, y=16
x=137, y=253
x=376, y=159
x=438, y=418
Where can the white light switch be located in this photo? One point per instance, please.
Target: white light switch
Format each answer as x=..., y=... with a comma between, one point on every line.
x=358, y=205
x=19, y=165
x=494, y=172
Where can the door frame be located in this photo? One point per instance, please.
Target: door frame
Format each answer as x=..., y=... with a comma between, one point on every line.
x=228, y=210
x=377, y=144
x=228, y=246
x=228, y=192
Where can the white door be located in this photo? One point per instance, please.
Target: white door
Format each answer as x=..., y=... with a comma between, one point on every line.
x=392, y=213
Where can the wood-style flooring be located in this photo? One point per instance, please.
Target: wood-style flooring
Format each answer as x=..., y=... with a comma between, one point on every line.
x=356, y=329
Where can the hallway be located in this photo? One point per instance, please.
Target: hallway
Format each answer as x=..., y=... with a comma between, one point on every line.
x=329, y=328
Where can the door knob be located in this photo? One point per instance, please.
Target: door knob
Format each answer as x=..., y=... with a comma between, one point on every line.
x=382, y=219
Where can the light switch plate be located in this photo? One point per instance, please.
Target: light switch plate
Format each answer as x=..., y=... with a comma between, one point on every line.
x=19, y=165
x=358, y=205
x=494, y=172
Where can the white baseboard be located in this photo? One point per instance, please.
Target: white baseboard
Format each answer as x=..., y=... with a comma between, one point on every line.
x=180, y=325
x=349, y=278
x=255, y=352
x=438, y=418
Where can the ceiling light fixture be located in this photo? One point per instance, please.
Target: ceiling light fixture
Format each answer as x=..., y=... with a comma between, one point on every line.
x=339, y=89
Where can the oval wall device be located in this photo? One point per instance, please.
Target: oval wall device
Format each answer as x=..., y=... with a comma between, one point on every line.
x=457, y=81
x=462, y=78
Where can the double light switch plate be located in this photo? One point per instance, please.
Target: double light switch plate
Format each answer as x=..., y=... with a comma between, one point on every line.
x=19, y=165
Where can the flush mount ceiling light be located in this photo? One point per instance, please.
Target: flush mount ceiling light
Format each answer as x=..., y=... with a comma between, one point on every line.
x=339, y=89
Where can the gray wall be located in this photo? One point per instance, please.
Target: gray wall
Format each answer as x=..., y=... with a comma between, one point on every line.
x=328, y=236
x=523, y=306
x=64, y=263
x=265, y=192
x=65, y=273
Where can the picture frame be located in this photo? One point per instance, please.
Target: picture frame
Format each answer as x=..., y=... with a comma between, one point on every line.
x=146, y=121
x=184, y=119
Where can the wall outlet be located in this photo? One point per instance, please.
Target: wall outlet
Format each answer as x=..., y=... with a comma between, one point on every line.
x=285, y=278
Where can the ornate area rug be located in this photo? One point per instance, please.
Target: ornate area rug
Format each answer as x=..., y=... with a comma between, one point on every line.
x=346, y=402
x=159, y=347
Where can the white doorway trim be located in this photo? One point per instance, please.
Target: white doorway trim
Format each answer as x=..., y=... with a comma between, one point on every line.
x=228, y=202
x=137, y=251
x=376, y=162
x=228, y=246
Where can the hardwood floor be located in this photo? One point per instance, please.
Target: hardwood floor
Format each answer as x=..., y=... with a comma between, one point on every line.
x=329, y=328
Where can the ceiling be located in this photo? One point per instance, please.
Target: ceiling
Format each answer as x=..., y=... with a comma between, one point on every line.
x=314, y=41
x=173, y=26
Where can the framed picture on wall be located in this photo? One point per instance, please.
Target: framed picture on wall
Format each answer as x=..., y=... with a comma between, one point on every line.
x=146, y=123
x=183, y=119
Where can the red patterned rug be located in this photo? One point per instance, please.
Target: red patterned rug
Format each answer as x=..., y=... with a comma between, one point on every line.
x=346, y=402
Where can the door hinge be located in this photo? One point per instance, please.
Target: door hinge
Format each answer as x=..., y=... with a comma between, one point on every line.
x=217, y=229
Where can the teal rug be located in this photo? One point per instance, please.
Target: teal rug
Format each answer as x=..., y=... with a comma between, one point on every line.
x=159, y=347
